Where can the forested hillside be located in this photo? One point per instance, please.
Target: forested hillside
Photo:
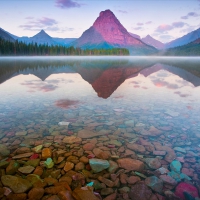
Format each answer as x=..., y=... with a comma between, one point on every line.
x=20, y=48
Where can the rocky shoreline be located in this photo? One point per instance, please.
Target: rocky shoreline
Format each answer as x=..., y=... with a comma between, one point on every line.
x=87, y=165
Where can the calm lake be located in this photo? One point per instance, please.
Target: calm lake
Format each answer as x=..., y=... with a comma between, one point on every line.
x=136, y=108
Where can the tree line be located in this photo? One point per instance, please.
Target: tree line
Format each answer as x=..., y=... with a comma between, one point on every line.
x=185, y=50
x=21, y=49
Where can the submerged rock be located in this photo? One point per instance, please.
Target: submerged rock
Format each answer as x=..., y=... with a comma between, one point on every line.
x=140, y=191
x=186, y=187
x=154, y=183
x=175, y=166
x=98, y=165
x=130, y=164
x=153, y=163
x=17, y=184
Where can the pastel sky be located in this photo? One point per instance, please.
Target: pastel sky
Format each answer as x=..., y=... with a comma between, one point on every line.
x=164, y=20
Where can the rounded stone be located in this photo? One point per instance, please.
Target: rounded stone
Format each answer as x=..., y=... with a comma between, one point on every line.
x=88, y=146
x=16, y=184
x=68, y=166
x=26, y=169
x=154, y=183
x=36, y=193
x=130, y=164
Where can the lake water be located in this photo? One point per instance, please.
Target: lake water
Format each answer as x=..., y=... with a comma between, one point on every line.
x=119, y=104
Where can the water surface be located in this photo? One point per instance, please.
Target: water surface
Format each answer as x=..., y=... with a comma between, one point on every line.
x=156, y=99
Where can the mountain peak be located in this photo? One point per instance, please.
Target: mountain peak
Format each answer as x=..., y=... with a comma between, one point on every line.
x=42, y=31
x=106, y=12
x=153, y=42
x=107, y=32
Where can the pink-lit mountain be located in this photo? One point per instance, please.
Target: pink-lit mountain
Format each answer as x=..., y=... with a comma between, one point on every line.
x=108, y=32
x=153, y=42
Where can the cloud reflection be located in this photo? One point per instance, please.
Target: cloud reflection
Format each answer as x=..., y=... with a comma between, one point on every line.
x=36, y=85
x=66, y=103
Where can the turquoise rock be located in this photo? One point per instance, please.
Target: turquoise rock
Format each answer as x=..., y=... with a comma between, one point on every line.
x=175, y=176
x=176, y=166
x=154, y=183
x=178, y=176
x=49, y=163
x=122, y=126
x=98, y=165
x=90, y=184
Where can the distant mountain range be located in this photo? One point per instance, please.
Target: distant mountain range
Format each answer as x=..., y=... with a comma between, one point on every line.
x=40, y=38
x=6, y=36
x=190, y=37
x=153, y=42
x=108, y=32
x=191, y=49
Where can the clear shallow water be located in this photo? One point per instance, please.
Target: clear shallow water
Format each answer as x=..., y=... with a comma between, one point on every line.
x=156, y=99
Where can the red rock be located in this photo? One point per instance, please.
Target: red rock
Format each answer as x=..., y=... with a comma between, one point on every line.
x=34, y=156
x=91, y=156
x=123, y=178
x=88, y=146
x=186, y=187
x=130, y=164
x=133, y=179
x=140, y=191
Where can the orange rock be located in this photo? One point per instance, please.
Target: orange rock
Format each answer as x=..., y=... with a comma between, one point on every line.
x=54, y=189
x=38, y=171
x=46, y=153
x=80, y=194
x=68, y=166
x=21, y=196
x=65, y=195
x=65, y=184
x=36, y=193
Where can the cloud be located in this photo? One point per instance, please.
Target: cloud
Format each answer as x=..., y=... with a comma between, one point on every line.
x=181, y=94
x=137, y=28
x=161, y=83
x=163, y=28
x=178, y=24
x=36, y=24
x=190, y=14
x=40, y=86
x=66, y=4
x=44, y=23
x=122, y=11
x=29, y=18
x=149, y=22
x=140, y=24
x=47, y=21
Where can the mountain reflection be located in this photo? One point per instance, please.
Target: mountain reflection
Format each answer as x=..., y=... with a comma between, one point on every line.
x=105, y=75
